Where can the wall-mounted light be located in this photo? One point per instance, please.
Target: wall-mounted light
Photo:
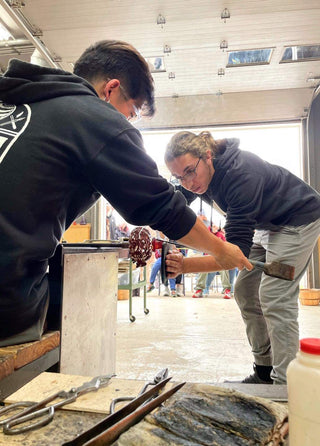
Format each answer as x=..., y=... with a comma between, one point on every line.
x=225, y=15
x=221, y=72
x=223, y=45
x=161, y=20
x=167, y=49
x=171, y=75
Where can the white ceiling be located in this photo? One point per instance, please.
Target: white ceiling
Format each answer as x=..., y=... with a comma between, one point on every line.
x=193, y=30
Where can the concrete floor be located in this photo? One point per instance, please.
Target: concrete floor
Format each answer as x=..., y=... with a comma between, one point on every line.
x=199, y=340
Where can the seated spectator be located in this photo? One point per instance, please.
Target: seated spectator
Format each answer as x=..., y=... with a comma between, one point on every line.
x=204, y=280
x=122, y=230
x=176, y=288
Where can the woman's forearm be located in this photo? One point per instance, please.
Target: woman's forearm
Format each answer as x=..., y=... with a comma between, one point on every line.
x=227, y=255
x=204, y=264
x=201, y=239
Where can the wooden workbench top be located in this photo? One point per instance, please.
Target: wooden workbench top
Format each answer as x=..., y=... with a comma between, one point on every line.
x=79, y=416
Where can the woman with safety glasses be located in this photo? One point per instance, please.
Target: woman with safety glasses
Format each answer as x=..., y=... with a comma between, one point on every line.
x=272, y=215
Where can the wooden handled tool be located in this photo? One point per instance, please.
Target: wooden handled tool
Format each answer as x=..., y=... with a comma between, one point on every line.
x=275, y=269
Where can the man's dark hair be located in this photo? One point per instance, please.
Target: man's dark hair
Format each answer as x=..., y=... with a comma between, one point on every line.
x=119, y=60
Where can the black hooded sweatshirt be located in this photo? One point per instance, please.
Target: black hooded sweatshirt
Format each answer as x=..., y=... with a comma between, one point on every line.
x=255, y=194
x=61, y=147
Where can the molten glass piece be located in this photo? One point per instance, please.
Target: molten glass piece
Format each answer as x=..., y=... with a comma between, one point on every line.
x=140, y=246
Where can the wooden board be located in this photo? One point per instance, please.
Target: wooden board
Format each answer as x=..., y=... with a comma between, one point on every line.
x=15, y=356
x=77, y=233
x=7, y=361
x=47, y=384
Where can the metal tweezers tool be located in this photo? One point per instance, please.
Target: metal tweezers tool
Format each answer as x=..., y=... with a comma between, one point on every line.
x=159, y=377
x=33, y=411
x=110, y=428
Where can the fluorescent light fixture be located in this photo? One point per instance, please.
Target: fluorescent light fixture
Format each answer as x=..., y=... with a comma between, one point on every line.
x=260, y=56
x=301, y=53
x=4, y=33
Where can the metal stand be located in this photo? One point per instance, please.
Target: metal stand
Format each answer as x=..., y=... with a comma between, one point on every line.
x=133, y=286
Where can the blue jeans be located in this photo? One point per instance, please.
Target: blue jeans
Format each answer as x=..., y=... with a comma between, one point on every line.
x=227, y=279
x=210, y=277
x=154, y=271
x=232, y=276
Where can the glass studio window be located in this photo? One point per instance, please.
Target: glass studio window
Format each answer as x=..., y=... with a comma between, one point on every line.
x=249, y=57
x=301, y=53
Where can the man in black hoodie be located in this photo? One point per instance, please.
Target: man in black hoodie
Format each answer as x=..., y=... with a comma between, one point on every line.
x=64, y=141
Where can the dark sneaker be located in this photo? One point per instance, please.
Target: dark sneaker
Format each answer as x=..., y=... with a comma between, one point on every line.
x=150, y=288
x=254, y=378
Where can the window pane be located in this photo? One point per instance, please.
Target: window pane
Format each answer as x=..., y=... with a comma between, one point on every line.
x=300, y=53
x=249, y=57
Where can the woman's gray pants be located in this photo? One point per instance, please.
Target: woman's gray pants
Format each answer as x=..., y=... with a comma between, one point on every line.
x=269, y=306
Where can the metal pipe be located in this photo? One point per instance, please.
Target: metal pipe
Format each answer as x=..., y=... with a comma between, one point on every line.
x=26, y=31
x=15, y=43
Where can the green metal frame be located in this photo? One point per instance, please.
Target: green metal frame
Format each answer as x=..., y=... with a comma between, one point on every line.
x=133, y=286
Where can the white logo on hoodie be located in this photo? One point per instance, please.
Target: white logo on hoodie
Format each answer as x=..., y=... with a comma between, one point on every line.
x=13, y=122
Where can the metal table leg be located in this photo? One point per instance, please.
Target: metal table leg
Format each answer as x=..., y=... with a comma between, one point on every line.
x=146, y=311
x=131, y=317
x=133, y=286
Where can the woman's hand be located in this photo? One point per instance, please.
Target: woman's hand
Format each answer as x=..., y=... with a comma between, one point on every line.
x=174, y=263
x=230, y=256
